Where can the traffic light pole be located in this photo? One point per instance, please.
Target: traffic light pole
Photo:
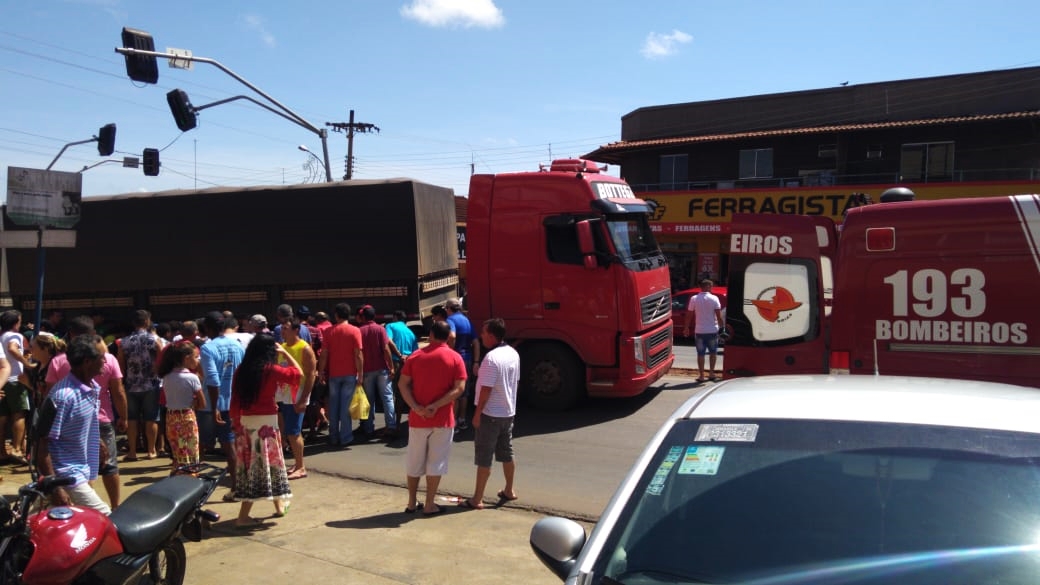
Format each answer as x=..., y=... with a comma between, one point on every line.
x=64, y=148
x=291, y=115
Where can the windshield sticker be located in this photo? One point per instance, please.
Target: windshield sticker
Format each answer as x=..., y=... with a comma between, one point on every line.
x=657, y=481
x=701, y=460
x=743, y=433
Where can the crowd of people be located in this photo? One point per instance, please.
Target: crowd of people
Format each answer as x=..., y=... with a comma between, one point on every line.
x=180, y=389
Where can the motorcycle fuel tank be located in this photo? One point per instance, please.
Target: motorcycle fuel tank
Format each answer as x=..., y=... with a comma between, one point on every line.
x=67, y=541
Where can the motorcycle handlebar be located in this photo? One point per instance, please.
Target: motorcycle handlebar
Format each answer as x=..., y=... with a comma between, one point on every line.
x=46, y=485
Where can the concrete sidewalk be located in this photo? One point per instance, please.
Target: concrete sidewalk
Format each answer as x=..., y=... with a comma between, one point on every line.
x=342, y=530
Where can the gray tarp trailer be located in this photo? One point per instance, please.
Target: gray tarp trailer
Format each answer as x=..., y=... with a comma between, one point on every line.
x=389, y=243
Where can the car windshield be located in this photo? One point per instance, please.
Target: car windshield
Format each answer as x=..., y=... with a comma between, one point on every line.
x=776, y=502
x=631, y=236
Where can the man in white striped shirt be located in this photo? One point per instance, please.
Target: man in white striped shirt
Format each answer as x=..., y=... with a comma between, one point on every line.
x=497, y=383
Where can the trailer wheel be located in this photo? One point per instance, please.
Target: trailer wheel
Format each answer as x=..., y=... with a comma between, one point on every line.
x=551, y=377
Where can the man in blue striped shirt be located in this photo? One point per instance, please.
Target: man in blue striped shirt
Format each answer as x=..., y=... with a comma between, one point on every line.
x=68, y=430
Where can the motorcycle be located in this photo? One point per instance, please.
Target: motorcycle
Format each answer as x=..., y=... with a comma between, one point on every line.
x=140, y=542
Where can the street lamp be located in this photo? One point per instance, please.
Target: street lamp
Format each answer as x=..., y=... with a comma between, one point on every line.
x=316, y=157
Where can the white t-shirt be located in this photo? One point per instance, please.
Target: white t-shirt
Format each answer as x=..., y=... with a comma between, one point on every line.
x=180, y=386
x=241, y=337
x=500, y=371
x=16, y=365
x=703, y=305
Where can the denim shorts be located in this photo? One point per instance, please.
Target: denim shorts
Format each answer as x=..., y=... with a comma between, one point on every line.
x=707, y=343
x=108, y=436
x=142, y=406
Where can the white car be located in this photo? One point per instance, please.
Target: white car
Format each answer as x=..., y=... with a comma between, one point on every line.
x=783, y=480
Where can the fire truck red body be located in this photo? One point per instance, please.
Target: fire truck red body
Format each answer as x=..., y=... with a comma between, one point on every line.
x=923, y=288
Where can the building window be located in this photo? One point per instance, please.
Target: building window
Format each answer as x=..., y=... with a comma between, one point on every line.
x=927, y=162
x=674, y=171
x=756, y=163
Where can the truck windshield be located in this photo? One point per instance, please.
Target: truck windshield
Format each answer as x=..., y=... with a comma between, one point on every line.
x=632, y=237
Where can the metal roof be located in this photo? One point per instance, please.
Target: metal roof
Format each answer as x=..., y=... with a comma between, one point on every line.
x=611, y=152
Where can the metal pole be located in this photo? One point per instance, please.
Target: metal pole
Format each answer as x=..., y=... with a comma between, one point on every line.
x=350, y=147
x=41, y=261
x=64, y=148
x=325, y=152
x=127, y=51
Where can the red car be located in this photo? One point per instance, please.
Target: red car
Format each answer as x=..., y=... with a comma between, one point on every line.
x=681, y=300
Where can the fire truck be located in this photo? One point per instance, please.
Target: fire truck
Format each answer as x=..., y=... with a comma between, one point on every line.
x=566, y=256
x=920, y=288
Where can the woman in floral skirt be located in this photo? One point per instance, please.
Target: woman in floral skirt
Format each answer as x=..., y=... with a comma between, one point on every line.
x=260, y=472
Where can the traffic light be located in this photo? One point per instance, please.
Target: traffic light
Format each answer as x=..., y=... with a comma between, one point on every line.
x=183, y=112
x=138, y=67
x=151, y=162
x=106, y=143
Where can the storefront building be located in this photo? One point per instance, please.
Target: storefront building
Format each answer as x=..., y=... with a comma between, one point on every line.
x=820, y=152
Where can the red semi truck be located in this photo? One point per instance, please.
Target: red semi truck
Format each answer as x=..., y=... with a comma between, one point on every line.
x=566, y=256
x=921, y=288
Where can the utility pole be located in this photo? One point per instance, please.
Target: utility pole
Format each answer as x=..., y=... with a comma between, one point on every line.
x=350, y=128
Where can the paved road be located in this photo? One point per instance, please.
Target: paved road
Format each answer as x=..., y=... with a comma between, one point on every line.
x=569, y=463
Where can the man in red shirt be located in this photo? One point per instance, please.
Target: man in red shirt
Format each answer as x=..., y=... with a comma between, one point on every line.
x=339, y=364
x=432, y=378
x=379, y=368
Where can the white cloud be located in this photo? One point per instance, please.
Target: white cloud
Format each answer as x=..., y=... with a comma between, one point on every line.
x=455, y=13
x=660, y=45
x=256, y=23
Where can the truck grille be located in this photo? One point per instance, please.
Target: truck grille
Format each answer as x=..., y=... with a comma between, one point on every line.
x=654, y=307
x=659, y=347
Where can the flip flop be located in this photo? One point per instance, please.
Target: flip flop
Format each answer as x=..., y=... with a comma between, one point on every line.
x=253, y=523
x=129, y=458
x=412, y=510
x=436, y=512
x=284, y=512
x=467, y=505
x=298, y=474
x=502, y=496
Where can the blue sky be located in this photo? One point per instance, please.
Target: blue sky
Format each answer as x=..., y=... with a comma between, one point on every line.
x=453, y=85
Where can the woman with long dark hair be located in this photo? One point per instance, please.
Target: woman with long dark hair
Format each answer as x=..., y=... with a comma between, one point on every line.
x=260, y=472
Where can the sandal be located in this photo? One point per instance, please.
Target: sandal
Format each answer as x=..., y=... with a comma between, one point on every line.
x=251, y=524
x=467, y=505
x=284, y=512
x=229, y=497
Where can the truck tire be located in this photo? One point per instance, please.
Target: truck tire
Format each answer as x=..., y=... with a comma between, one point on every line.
x=551, y=377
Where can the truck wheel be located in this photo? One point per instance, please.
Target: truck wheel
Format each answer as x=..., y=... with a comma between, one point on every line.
x=551, y=377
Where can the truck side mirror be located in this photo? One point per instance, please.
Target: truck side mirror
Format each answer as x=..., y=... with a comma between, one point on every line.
x=586, y=244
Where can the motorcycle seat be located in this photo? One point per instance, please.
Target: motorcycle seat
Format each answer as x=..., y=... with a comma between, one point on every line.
x=152, y=514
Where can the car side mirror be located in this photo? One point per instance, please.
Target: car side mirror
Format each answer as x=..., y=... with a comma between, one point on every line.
x=557, y=542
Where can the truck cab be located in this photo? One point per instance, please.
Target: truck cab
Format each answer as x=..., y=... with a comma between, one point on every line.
x=566, y=256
